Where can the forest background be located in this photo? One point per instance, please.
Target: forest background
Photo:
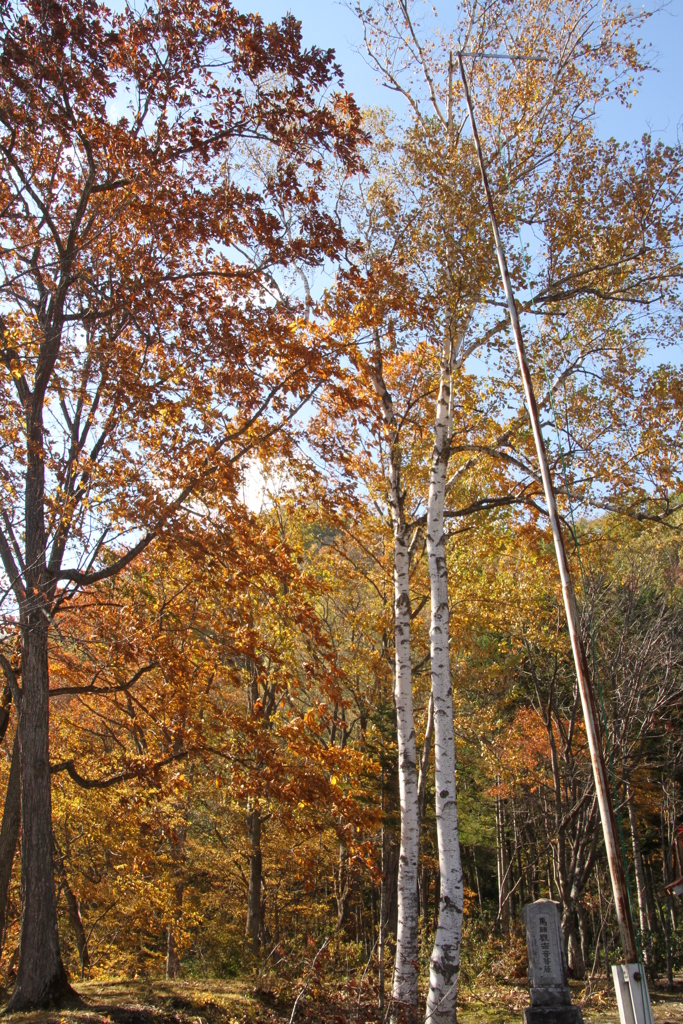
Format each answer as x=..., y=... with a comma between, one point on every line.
x=270, y=497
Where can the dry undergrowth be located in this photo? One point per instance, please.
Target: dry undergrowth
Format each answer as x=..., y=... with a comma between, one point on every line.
x=238, y=1001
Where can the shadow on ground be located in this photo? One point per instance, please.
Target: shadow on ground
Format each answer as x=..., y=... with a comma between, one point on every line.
x=238, y=1001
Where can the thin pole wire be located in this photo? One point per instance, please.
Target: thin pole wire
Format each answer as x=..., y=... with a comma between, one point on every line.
x=622, y=842
x=647, y=1010
x=573, y=531
x=583, y=676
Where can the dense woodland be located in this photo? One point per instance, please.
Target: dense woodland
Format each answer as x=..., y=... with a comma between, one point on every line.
x=285, y=656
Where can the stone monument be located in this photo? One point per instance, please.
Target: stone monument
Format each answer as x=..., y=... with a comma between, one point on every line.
x=550, y=997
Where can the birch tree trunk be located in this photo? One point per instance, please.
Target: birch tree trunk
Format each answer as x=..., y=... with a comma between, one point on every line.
x=404, y=988
x=445, y=959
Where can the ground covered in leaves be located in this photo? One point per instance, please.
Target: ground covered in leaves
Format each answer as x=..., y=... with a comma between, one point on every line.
x=242, y=1001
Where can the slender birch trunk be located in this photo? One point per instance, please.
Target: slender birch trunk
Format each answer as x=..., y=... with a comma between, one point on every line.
x=404, y=991
x=404, y=988
x=424, y=875
x=445, y=959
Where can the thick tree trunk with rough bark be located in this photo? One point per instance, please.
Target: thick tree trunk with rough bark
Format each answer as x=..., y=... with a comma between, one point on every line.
x=404, y=989
x=575, y=961
x=445, y=959
x=41, y=978
x=9, y=834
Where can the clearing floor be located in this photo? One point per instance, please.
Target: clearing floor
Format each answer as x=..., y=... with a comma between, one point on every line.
x=238, y=1001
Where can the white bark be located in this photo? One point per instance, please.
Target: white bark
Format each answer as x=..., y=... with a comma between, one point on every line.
x=445, y=959
x=404, y=988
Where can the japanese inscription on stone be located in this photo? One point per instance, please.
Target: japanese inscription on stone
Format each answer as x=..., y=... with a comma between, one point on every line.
x=550, y=996
x=544, y=941
x=545, y=944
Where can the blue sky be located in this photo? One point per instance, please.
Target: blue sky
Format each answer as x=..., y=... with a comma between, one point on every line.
x=658, y=107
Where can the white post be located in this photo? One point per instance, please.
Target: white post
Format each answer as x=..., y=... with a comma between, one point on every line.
x=633, y=997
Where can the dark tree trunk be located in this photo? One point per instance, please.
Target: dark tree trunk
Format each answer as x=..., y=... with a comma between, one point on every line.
x=41, y=978
x=73, y=910
x=382, y=923
x=649, y=895
x=178, y=836
x=9, y=834
x=667, y=915
x=390, y=868
x=575, y=961
x=583, y=934
x=342, y=887
x=646, y=922
x=172, y=958
x=255, y=880
x=424, y=878
x=478, y=880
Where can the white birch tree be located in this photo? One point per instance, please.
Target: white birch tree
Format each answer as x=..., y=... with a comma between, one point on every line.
x=404, y=988
x=445, y=959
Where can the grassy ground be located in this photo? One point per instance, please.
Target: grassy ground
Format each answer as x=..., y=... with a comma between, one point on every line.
x=597, y=1002
x=242, y=1001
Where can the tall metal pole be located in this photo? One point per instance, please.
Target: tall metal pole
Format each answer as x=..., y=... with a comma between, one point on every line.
x=609, y=828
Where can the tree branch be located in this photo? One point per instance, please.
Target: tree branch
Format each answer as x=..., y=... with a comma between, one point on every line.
x=113, y=780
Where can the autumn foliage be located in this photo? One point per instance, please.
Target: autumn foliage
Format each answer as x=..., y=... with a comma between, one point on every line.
x=230, y=304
